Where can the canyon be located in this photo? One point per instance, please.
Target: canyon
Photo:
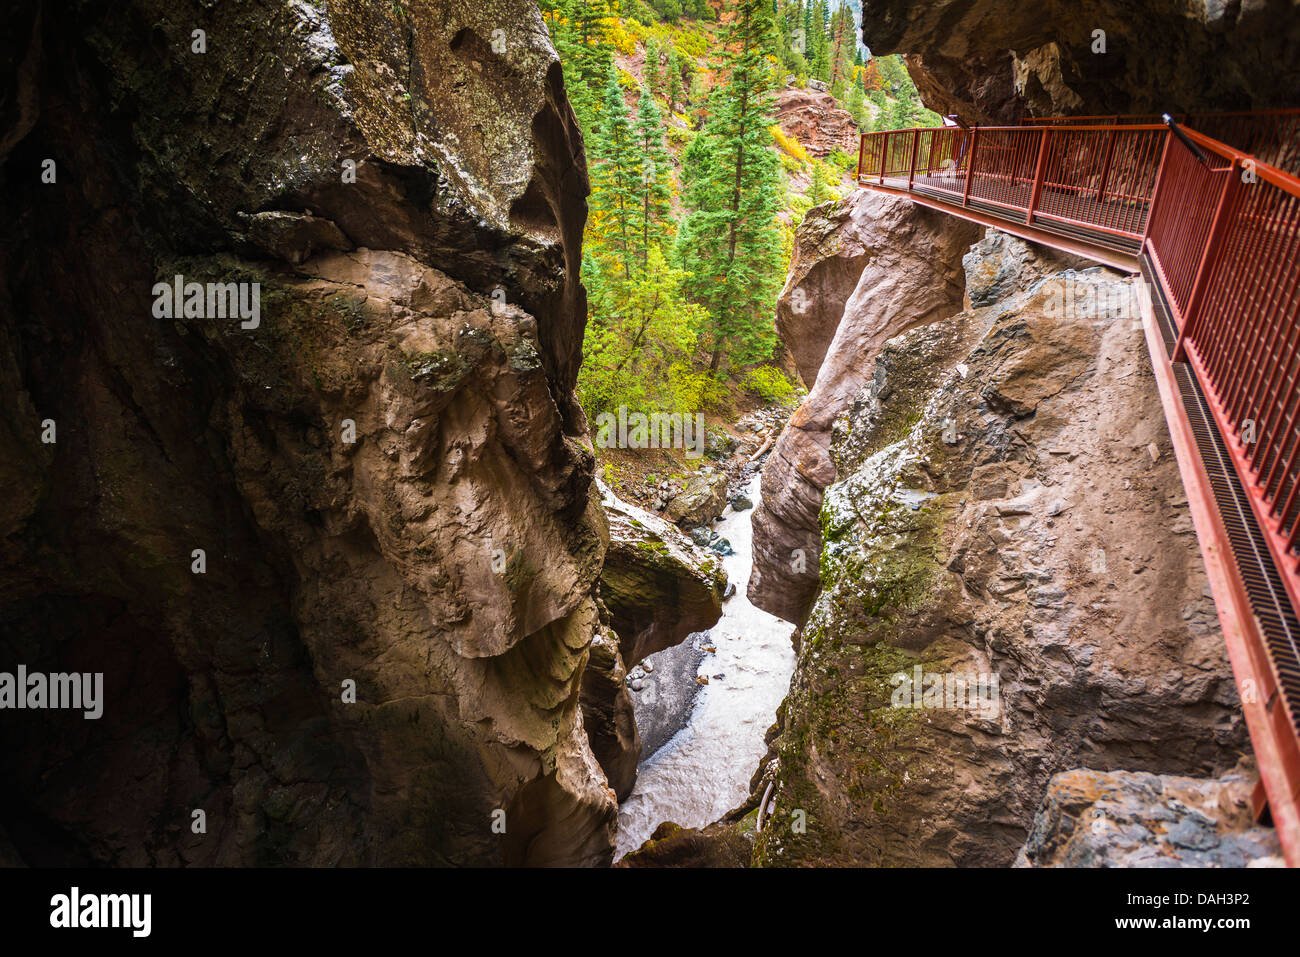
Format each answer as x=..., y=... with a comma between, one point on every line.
x=394, y=485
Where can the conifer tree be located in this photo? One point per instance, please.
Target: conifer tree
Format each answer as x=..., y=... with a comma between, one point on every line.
x=587, y=55
x=656, y=174
x=616, y=182
x=729, y=242
x=673, y=86
x=652, y=80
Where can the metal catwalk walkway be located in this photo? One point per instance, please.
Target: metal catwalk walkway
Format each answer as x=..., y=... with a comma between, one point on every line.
x=1215, y=232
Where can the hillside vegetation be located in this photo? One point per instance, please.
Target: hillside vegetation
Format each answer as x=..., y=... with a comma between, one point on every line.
x=695, y=189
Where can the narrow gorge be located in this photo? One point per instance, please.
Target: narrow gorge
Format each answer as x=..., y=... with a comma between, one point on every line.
x=367, y=588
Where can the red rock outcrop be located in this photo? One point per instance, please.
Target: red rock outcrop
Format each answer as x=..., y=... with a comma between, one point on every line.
x=813, y=118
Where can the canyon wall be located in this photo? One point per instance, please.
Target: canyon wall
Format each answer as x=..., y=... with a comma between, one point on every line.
x=992, y=61
x=1010, y=589
x=863, y=270
x=1007, y=511
x=380, y=484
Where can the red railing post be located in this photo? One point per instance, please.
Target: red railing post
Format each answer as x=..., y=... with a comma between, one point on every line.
x=1155, y=187
x=1105, y=166
x=1208, y=259
x=1038, y=175
x=916, y=144
x=884, y=155
x=970, y=165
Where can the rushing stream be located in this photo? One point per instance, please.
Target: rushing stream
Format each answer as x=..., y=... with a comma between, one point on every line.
x=704, y=770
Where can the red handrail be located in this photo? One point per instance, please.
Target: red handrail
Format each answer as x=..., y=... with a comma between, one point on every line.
x=1054, y=176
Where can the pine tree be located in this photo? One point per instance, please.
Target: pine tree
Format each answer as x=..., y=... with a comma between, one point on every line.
x=656, y=187
x=843, y=44
x=729, y=241
x=674, y=80
x=819, y=58
x=616, y=182
x=652, y=65
x=819, y=187
x=587, y=55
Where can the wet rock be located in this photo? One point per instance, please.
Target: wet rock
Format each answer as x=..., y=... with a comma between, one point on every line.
x=740, y=503
x=703, y=536
x=659, y=587
x=1133, y=819
x=718, y=845
x=701, y=501
x=722, y=547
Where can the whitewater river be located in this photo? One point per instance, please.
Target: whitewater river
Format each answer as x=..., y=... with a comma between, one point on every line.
x=704, y=770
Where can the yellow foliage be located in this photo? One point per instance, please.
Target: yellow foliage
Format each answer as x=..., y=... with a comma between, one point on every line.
x=622, y=39
x=790, y=145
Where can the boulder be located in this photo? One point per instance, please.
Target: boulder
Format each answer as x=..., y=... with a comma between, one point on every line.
x=702, y=500
x=659, y=587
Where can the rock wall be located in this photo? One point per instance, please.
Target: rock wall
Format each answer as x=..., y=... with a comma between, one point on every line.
x=1126, y=819
x=1007, y=512
x=991, y=61
x=863, y=270
x=445, y=561
x=814, y=119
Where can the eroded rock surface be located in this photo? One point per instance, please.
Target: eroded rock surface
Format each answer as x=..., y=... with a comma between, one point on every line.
x=991, y=61
x=813, y=118
x=1127, y=819
x=1007, y=511
x=658, y=585
x=863, y=270
x=387, y=473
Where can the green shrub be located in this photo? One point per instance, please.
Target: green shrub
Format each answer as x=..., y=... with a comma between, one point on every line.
x=770, y=384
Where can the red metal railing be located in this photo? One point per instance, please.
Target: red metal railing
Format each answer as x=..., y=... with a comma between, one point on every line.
x=1218, y=230
x=1271, y=136
x=1225, y=239
x=1062, y=178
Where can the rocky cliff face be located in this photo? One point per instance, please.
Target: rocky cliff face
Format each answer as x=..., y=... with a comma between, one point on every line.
x=863, y=270
x=1010, y=584
x=990, y=61
x=813, y=119
x=386, y=474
